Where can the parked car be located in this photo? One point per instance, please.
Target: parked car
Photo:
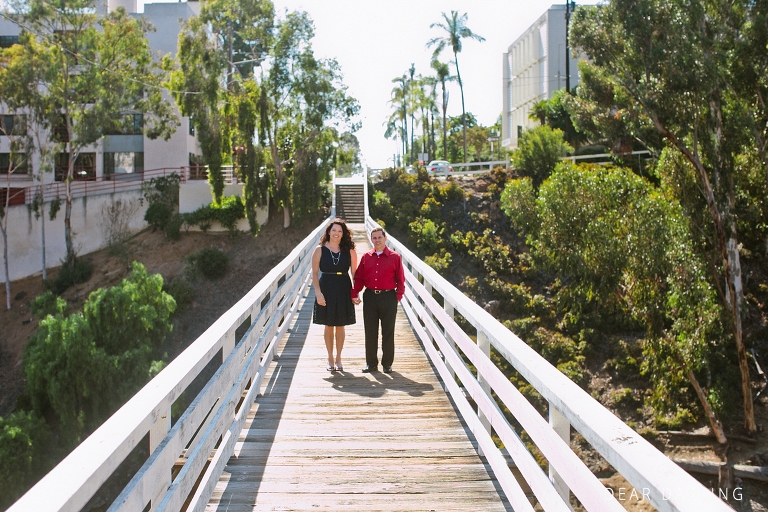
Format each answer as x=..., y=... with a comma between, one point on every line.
x=439, y=167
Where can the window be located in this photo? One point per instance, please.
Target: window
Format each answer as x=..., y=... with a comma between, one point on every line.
x=16, y=165
x=60, y=132
x=84, y=169
x=13, y=124
x=8, y=41
x=123, y=165
x=191, y=126
x=127, y=124
x=197, y=170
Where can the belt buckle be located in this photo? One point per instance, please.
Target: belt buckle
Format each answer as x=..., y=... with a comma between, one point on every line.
x=377, y=291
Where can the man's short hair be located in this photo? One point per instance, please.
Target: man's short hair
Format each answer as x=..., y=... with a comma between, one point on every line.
x=374, y=230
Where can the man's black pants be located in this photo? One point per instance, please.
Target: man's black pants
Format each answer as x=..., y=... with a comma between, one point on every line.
x=379, y=307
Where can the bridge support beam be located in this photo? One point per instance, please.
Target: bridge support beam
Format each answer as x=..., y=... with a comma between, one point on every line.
x=562, y=428
x=484, y=343
x=157, y=433
x=448, y=307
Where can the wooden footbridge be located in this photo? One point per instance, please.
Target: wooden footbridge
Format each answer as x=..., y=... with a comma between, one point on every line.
x=271, y=429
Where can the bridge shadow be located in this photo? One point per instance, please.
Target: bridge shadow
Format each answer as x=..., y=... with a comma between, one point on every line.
x=378, y=384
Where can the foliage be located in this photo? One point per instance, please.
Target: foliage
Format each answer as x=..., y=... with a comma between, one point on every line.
x=518, y=201
x=539, y=151
x=109, y=345
x=24, y=447
x=47, y=303
x=227, y=213
x=162, y=196
x=694, y=74
x=426, y=234
x=99, y=66
x=439, y=261
x=181, y=291
x=77, y=271
x=210, y=262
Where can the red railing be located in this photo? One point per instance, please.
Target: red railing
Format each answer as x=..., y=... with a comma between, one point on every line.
x=107, y=184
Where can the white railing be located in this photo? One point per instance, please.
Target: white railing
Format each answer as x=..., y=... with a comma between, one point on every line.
x=656, y=479
x=203, y=438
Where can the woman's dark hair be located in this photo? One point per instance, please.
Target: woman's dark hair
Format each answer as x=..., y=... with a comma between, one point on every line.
x=346, y=244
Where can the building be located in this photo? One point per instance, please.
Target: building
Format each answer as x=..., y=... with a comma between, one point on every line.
x=533, y=69
x=130, y=151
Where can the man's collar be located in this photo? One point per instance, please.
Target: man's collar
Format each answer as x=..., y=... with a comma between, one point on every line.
x=385, y=252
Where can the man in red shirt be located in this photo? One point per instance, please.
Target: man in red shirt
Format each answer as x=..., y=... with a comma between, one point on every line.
x=380, y=271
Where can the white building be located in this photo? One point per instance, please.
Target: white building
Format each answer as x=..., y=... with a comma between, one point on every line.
x=533, y=69
x=130, y=152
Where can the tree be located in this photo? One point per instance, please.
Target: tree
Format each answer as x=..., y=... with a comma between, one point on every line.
x=94, y=70
x=115, y=337
x=14, y=128
x=619, y=242
x=539, y=151
x=399, y=101
x=456, y=30
x=443, y=75
x=675, y=61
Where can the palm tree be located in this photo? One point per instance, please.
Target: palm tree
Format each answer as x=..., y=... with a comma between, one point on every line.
x=400, y=102
x=412, y=107
x=456, y=30
x=443, y=75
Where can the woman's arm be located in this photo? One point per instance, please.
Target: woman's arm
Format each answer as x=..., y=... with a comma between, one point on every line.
x=319, y=297
x=353, y=263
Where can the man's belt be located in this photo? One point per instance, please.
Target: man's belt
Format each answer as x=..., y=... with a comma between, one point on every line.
x=382, y=291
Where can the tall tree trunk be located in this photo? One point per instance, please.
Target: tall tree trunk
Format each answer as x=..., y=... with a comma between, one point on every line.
x=463, y=112
x=731, y=269
x=717, y=427
x=4, y=229
x=445, y=121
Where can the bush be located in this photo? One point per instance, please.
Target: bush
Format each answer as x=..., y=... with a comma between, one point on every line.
x=72, y=359
x=70, y=274
x=439, y=262
x=181, y=291
x=158, y=215
x=210, y=262
x=518, y=201
x=48, y=304
x=227, y=213
x=426, y=234
x=538, y=153
x=24, y=443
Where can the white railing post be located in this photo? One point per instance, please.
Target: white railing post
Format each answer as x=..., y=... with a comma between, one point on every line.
x=448, y=307
x=562, y=428
x=157, y=432
x=484, y=344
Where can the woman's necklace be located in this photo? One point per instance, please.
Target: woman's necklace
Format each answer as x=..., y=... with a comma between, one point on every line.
x=335, y=258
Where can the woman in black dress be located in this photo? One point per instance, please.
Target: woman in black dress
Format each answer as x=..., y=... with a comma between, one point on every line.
x=331, y=263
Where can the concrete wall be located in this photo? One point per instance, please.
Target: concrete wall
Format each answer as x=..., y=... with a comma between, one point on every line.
x=89, y=223
x=196, y=194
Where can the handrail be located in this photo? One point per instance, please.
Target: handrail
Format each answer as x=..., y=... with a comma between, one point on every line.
x=215, y=417
x=658, y=480
x=109, y=183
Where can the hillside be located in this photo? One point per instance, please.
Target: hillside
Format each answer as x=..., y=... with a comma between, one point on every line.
x=468, y=238
x=249, y=260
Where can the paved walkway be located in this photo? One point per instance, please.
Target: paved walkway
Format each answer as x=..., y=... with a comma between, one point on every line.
x=353, y=441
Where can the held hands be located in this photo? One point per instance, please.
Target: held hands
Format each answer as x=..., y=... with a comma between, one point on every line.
x=356, y=301
x=320, y=298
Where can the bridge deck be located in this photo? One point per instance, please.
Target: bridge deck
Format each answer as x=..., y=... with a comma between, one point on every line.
x=353, y=441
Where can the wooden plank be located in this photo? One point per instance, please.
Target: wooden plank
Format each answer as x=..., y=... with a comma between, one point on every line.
x=353, y=441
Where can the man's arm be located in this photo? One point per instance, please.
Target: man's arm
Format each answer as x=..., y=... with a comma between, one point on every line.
x=399, y=278
x=358, y=277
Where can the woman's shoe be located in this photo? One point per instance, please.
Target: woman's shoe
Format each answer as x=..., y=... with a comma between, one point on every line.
x=329, y=368
x=339, y=368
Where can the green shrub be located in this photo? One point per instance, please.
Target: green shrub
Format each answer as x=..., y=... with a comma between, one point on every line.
x=110, y=345
x=431, y=209
x=76, y=272
x=181, y=291
x=227, y=213
x=381, y=208
x=440, y=262
x=158, y=215
x=539, y=151
x=210, y=262
x=682, y=416
x=426, y=234
x=173, y=227
x=518, y=201
x=24, y=447
x=48, y=304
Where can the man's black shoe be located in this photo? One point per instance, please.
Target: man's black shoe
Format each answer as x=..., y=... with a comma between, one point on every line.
x=369, y=369
x=387, y=369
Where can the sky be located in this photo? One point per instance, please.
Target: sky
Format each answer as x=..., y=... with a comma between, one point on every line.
x=376, y=41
